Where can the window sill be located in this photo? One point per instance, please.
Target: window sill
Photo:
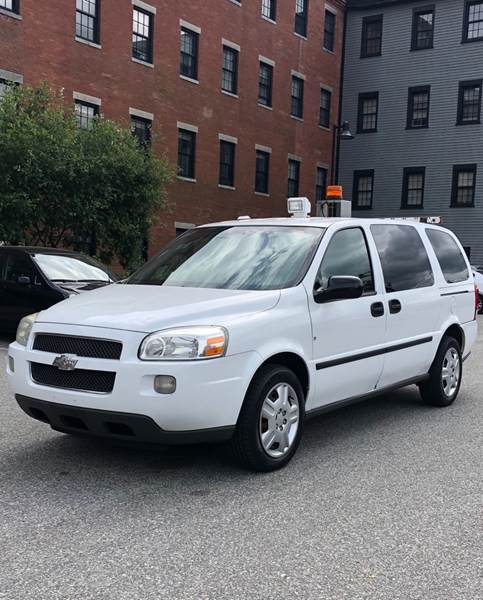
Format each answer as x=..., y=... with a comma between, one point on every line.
x=269, y=20
x=421, y=49
x=365, y=131
x=264, y=106
x=142, y=62
x=225, y=93
x=187, y=179
x=415, y=207
x=462, y=205
x=88, y=43
x=236, y=3
x=9, y=13
x=464, y=123
x=324, y=128
x=328, y=51
x=299, y=119
x=362, y=56
x=189, y=79
x=264, y=194
x=471, y=41
x=226, y=187
x=416, y=128
x=299, y=35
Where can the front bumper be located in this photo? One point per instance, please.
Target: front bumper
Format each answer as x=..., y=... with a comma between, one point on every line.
x=209, y=394
x=114, y=425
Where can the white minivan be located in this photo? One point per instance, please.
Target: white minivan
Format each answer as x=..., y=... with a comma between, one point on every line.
x=242, y=330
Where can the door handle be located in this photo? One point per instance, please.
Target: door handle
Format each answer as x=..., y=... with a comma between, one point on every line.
x=377, y=309
x=394, y=307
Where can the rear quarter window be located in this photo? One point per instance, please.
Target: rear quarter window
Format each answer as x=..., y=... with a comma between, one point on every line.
x=449, y=255
x=404, y=260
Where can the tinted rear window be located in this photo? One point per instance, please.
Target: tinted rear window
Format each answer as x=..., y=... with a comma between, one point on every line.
x=404, y=259
x=449, y=256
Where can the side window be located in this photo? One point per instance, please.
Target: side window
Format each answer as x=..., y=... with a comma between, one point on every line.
x=347, y=254
x=404, y=259
x=449, y=256
x=3, y=262
x=18, y=265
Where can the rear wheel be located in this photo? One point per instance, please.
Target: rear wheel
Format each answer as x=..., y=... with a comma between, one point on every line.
x=480, y=309
x=445, y=375
x=270, y=424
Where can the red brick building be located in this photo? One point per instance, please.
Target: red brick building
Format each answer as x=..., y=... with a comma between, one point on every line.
x=253, y=84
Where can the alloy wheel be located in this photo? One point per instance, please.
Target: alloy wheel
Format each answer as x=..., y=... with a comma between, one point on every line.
x=279, y=420
x=451, y=372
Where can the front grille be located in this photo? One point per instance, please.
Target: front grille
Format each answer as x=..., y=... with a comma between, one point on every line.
x=80, y=346
x=80, y=379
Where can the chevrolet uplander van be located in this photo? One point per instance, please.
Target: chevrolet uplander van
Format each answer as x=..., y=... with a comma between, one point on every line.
x=242, y=330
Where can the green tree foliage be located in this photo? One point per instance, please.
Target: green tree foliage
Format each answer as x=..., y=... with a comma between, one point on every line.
x=64, y=186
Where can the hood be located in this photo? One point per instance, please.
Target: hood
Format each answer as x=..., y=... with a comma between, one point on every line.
x=147, y=308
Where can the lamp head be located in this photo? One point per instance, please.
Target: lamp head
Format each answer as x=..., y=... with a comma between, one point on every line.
x=345, y=132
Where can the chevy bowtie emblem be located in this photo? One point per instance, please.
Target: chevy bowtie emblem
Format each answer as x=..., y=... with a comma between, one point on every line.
x=66, y=362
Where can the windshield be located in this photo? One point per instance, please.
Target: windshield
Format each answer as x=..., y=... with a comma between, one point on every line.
x=235, y=258
x=65, y=268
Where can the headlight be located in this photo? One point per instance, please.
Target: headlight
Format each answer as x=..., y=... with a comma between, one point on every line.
x=185, y=343
x=24, y=328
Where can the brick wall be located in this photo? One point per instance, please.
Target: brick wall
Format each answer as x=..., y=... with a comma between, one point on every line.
x=42, y=46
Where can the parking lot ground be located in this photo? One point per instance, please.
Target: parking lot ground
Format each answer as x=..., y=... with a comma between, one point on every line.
x=382, y=501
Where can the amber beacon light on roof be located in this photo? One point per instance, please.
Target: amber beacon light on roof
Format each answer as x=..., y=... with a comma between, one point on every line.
x=334, y=204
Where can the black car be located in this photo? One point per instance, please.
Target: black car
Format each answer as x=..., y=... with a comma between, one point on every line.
x=32, y=279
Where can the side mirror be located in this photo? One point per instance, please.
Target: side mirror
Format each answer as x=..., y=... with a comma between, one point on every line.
x=339, y=288
x=23, y=280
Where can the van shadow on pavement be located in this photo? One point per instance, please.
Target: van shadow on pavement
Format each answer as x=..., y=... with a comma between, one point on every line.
x=55, y=456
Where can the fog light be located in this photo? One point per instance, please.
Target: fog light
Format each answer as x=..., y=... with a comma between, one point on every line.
x=11, y=364
x=164, y=384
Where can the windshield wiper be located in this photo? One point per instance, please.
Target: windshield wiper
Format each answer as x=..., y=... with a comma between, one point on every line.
x=64, y=280
x=80, y=280
x=93, y=280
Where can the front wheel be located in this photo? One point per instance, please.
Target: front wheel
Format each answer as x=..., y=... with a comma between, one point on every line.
x=271, y=420
x=445, y=375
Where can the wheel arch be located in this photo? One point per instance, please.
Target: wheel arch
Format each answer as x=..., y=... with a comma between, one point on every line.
x=292, y=361
x=455, y=331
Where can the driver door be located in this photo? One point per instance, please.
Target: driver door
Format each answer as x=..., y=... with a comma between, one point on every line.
x=348, y=333
x=18, y=295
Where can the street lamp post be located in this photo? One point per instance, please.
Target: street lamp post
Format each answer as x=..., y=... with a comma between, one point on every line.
x=340, y=132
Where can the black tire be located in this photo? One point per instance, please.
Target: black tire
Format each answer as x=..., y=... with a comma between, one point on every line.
x=246, y=442
x=480, y=312
x=432, y=390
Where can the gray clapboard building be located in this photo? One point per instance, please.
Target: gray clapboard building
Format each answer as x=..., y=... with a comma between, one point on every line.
x=412, y=94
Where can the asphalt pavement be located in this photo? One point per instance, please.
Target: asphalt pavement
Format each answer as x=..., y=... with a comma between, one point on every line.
x=384, y=500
